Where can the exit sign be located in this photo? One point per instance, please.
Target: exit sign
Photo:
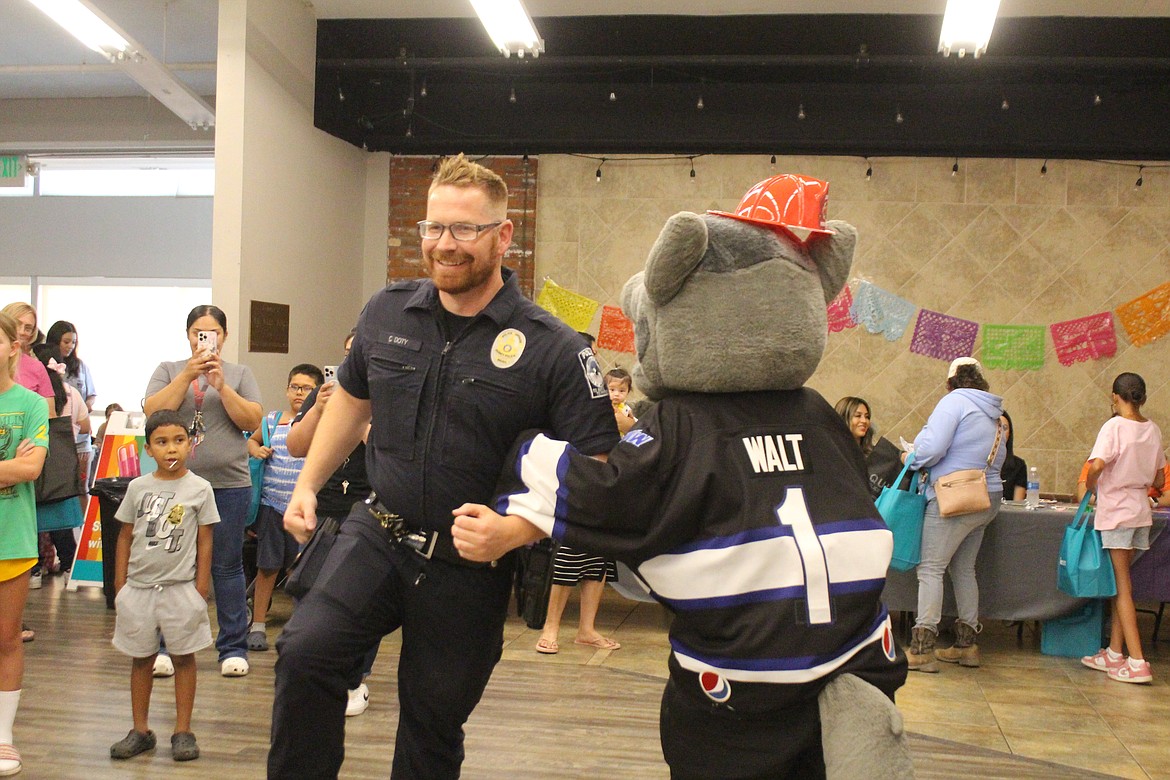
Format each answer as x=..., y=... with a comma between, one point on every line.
x=12, y=170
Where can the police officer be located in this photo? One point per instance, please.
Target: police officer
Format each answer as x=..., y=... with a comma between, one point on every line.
x=449, y=371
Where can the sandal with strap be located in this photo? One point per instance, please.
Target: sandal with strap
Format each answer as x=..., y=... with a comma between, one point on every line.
x=10, y=763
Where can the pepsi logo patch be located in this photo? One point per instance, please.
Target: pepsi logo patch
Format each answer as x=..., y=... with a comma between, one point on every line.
x=716, y=688
x=888, y=646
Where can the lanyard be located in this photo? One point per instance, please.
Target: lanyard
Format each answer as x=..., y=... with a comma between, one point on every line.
x=197, y=426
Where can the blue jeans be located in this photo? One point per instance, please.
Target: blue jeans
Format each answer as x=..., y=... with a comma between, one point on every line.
x=951, y=543
x=227, y=572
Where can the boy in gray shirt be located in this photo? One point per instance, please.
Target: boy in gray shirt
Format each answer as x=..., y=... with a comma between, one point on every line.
x=164, y=560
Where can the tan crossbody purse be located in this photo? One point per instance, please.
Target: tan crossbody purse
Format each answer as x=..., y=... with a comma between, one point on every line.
x=965, y=491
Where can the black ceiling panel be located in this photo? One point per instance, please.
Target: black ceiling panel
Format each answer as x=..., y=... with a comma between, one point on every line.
x=436, y=86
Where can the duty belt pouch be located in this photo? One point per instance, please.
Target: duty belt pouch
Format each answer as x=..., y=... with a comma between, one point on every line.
x=309, y=561
x=533, y=583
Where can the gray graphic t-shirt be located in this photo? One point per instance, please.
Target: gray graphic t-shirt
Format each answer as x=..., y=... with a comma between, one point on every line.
x=166, y=514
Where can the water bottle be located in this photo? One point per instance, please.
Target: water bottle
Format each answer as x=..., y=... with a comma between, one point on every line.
x=1032, y=500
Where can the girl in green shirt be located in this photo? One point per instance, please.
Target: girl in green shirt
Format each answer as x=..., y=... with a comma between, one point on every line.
x=24, y=443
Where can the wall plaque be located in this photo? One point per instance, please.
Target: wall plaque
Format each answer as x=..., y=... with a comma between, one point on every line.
x=268, y=327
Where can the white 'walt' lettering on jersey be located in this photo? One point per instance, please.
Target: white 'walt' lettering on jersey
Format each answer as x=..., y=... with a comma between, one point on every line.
x=769, y=454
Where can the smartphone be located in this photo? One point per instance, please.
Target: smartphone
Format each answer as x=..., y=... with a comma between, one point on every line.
x=208, y=341
x=330, y=373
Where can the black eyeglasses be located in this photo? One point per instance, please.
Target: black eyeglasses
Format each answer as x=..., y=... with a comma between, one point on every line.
x=460, y=231
x=302, y=389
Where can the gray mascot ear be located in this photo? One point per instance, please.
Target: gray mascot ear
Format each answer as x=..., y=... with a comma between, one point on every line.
x=833, y=256
x=676, y=253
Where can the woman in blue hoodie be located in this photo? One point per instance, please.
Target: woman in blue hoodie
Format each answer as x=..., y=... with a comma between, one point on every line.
x=960, y=434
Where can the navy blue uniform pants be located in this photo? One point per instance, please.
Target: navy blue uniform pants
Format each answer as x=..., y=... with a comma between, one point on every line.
x=452, y=621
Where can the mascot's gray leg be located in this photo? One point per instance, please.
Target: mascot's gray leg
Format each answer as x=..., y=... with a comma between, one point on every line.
x=862, y=732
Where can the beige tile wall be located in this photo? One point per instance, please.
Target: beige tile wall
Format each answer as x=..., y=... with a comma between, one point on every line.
x=997, y=243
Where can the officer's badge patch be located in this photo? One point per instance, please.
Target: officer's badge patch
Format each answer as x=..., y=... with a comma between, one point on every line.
x=593, y=375
x=716, y=688
x=507, y=348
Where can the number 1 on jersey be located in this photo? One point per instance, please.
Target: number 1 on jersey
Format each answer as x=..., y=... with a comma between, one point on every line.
x=794, y=514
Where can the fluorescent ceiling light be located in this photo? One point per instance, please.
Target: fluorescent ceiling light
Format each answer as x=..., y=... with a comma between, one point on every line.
x=966, y=26
x=509, y=26
x=84, y=25
x=86, y=22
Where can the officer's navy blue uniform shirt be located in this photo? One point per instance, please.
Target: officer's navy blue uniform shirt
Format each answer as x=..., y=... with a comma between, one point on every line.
x=446, y=412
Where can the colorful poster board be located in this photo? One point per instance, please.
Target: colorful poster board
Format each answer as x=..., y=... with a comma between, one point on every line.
x=123, y=454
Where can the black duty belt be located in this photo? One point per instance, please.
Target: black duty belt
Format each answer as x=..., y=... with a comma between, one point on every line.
x=429, y=544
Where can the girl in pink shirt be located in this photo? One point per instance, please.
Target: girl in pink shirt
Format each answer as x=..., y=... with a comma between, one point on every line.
x=31, y=372
x=1126, y=460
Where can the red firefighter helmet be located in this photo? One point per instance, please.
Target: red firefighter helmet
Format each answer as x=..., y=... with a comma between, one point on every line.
x=790, y=202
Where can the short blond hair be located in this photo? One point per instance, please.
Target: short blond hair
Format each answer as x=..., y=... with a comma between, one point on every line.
x=8, y=325
x=458, y=171
x=18, y=310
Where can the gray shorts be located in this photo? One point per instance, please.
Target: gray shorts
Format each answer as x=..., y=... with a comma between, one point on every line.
x=276, y=548
x=1126, y=538
x=176, y=611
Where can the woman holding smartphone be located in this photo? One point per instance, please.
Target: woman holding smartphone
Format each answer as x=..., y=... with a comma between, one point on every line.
x=222, y=400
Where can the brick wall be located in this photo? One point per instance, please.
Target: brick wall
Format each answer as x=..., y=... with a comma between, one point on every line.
x=409, y=179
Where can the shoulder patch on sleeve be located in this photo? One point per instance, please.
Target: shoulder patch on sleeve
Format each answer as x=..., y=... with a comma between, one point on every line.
x=637, y=437
x=593, y=375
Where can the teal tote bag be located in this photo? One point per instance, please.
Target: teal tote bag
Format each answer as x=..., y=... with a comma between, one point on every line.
x=902, y=511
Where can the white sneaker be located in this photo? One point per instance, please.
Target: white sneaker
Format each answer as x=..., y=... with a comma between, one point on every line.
x=163, y=667
x=234, y=667
x=34, y=581
x=359, y=699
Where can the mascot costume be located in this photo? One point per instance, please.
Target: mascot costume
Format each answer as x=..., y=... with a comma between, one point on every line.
x=740, y=500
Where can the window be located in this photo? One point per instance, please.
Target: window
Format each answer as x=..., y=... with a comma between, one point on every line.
x=12, y=289
x=124, y=329
x=19, y=192
x=165, y=177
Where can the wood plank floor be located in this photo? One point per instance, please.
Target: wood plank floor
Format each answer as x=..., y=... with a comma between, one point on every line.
x=569, y=719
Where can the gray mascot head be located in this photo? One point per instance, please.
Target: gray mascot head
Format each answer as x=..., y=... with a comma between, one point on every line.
x=735, y=302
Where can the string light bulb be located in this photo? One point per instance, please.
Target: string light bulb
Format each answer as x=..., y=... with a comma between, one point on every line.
x=692, y=167
x=512, y=96
x=612, y=96
x=409, y=131
x=955, y=168
x=800, y=113
x=1141, y=169
x=699, y=104
x=1097, y=99
x=868, y=169
x=773, y=162
x=1044, y=168
x=340, y=95
x=1004, y=106
x=422, y=92
x=898, y=118
x=598, y=174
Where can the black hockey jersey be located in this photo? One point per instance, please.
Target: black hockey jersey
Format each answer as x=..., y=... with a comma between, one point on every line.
x=748, y=516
